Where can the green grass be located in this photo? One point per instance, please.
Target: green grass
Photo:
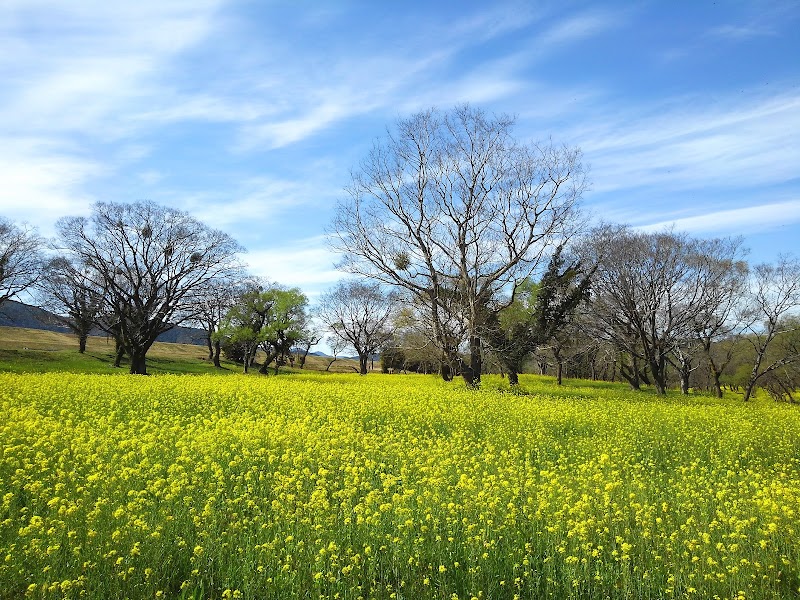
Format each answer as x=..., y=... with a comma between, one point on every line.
x=25, y=350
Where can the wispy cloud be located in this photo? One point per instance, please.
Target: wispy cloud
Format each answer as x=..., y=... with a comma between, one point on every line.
x=420, y=75
x=80, y=67
x=740, y=32
x=750, y=219
x=577, y=28
x=262, y=198
x=72, y=75
x=742, y=143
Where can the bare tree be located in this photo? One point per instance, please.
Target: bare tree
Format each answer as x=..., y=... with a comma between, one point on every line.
x=774, y=294
x=452, y=209
x=411, y=346
x=721, y=314
x=336, y=345
x=651, y=291
x=783, y=381
x=21, y=259
x=212, y=302
x=359, y=315
x=150, y=261
x=70, y=293
x=310, y=336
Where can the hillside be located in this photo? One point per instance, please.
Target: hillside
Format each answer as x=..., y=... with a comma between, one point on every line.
x=18, y=314
x=35, y=350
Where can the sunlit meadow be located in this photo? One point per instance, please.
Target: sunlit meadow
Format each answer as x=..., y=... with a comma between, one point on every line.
x=311, y=486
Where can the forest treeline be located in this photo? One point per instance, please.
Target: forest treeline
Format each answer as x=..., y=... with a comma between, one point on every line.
x=467, y=252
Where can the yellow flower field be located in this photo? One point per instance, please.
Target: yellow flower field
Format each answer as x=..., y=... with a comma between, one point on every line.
x=311, y=486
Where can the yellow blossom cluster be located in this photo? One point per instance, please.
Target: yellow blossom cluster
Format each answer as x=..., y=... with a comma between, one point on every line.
x=337, y=486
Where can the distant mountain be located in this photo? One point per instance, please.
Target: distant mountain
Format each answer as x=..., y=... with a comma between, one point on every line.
x=322, y=354
x=17, y=314
x=340, y=357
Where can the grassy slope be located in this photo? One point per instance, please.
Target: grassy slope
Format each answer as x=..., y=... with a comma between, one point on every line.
x=34, y=350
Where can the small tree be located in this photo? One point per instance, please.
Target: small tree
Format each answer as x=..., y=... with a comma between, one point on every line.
x=359, y=315
x=212, y=302
x=265, y=316
x=21, y=259
x=336, y=345
x=284, y=329
x=242, y=328
x=69, y=292
x=309, y=337
x=783, y=381
x=539, y=313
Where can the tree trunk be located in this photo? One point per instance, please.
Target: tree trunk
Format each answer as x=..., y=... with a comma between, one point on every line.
x=475, y=359
x=630, y=373
x=138, y=364
x=267, y=360
x=247, y=359
x=468, y=375
x=658, y=370
x=716, y=373
x=754, y=375
x=445, y=371
x=684, y=382
x=82, y=342
x=217, y=350
x=119, y=352
x=559, y=365
x=513, y=378
x=363, y=359
x=210, y=347
x=717, y=385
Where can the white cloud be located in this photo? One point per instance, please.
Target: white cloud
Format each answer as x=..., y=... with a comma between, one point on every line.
x=412, y=78
x=71, y=74
x=150, y=177
x=81, y=66
x=307, y=264
x=42, y=182
x=281, y=133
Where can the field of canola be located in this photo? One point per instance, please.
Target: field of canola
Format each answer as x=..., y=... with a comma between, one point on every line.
x=390, y=487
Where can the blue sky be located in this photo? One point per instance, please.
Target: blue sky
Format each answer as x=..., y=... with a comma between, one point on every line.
x=250, y=115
